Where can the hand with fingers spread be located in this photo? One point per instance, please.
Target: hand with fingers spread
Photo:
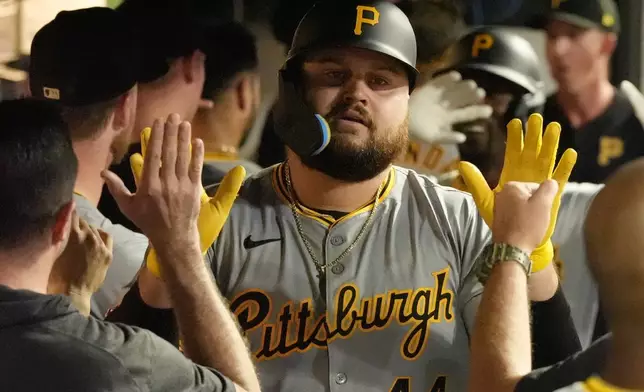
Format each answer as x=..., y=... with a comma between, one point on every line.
x=533, y=163
x=166, y=203
x=213, y=211
x=80, y=270
x=444, y=101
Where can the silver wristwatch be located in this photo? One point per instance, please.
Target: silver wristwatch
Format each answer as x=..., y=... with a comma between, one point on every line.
x=494, y=254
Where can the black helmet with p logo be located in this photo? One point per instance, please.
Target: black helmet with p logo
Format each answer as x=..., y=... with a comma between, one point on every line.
x=510, y=60
x=378, y=26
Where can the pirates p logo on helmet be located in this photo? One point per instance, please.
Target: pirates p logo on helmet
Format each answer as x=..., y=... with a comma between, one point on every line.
x=361, y=19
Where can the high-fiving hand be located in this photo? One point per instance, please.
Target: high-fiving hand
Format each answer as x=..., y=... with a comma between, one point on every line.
x=176, y=186
x=532, y=163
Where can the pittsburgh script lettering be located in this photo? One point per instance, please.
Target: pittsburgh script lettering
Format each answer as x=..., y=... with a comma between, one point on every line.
x=298, y=330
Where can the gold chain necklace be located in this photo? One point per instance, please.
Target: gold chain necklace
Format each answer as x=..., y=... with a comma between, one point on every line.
x=321, y=268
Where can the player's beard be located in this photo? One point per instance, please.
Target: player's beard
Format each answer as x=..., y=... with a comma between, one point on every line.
x=346, y=161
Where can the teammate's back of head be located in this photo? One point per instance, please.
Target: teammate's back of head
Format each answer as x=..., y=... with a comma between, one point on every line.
x=232, y=84
x=613, y=234
x=172, y=68
x=230, y=50
x=38, y=169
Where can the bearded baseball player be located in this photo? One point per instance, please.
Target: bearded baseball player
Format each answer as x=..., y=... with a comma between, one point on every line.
x=348, y=273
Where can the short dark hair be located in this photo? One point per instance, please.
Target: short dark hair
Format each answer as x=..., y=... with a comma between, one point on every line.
x=160, y=46
x=87, y=121
x=437, y=25
x=38, y=167
x=231, y=49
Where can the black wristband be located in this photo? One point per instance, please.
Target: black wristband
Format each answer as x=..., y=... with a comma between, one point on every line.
x=554, y=335
x=133, y=311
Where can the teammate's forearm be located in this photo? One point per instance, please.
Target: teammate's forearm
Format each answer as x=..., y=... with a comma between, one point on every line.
x=210, y=335
x=543, y=285
x=500, y=345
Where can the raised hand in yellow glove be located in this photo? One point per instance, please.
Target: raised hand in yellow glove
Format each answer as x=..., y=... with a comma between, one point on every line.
x=213, y=212
x=533, y=162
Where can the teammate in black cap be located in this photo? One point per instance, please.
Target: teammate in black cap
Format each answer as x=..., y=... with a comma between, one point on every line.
x=597, y=119
x=87, y=62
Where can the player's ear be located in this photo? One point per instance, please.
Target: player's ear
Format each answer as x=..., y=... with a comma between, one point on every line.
x=193, y=66
x=125, y=110
x=609, y=43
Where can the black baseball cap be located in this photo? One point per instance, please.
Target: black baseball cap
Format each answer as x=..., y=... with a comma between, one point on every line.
x=83, y=57
x=166, y=29
x=587, y=14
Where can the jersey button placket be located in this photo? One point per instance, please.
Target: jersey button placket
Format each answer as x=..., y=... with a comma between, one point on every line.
x=335, y=244
x=336, y=241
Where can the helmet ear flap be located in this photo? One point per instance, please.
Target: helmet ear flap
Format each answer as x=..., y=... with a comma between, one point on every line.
x=305, y=132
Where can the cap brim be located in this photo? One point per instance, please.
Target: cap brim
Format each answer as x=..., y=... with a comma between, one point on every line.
x=540, y=22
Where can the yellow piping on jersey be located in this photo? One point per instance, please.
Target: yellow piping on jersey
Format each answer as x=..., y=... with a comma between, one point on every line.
x=279, y=184
x=596, y=384
x=219, y=156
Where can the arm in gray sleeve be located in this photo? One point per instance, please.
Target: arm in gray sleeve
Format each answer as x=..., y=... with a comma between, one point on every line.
x=155, y=365
x=569, y=371
x=172, y=371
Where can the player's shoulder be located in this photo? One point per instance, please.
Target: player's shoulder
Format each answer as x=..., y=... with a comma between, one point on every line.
x=582, y=188
x=426, y=182
x=575, y=193
x=254, y=186
x=422, y=188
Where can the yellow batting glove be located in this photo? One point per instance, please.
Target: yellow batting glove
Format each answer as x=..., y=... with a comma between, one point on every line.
x=533, y=162
x=213, y=212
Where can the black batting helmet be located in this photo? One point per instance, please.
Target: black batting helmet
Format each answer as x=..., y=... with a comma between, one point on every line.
x=378, y=26
x=505, y=56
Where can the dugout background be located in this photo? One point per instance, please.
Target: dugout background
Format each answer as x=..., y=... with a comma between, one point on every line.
x=20, y=19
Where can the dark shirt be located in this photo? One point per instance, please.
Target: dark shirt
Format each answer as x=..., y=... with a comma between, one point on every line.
x=604, y=144
x=569, y=371
x=47, y=345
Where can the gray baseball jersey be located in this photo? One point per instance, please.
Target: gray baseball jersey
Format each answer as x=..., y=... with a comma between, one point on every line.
x=570, y=258
x=394, y=315
x=215, y=170
x=128, y=254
